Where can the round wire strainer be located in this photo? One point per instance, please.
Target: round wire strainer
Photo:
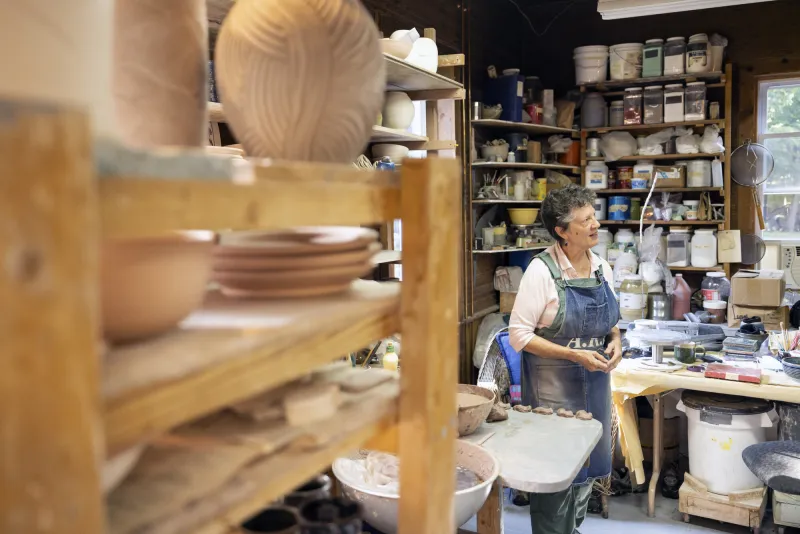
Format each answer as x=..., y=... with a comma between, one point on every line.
x=753, y=249
x=751, y=165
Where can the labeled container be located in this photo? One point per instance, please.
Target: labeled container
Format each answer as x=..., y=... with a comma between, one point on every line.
x=704, y=249
x=619, y=208
x=593, y=111
x=604, y=238
x=601, y=208
x=626, y=61
x=591, y=64
x=653, y=58
x=596, y=175
x=616, y=113
x=715, y=286
x=642, y=174
x=681, y=298
x=674, y=56
x=632, y=105
x=716, y=310
x=691, y=212
x=695, y=101
x=698, y=173
x=636, y=209
x=653, y=104
x=633, y=298
x=698, y=54
x=612, y=178
x=624, y=176
x=679, y=247
x=625, y=238
x=593, y=147
x=673, y=103
x=720, y=428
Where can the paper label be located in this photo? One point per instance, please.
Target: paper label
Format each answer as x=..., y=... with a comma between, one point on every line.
x=632, y=300
x=711, y=294
x=519, y=89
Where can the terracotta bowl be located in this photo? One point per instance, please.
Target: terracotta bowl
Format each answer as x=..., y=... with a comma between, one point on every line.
x=469, y=419
x=148, y=285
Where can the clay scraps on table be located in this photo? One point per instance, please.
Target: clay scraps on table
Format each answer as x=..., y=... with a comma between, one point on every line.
x=564, y=413
x=522, y=409
x=583, y=415
x=503, y=405
x=498, y=413
x=543, y=410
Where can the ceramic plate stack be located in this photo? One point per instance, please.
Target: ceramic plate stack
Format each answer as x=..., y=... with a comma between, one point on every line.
x=298, y=262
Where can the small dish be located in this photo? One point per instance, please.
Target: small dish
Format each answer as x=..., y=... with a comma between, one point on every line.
x=287, y=292
x=296, y=241
x=290, y=277
x=223, y=262
x=791, y=366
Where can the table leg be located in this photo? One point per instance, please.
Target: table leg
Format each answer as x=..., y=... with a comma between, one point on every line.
x=658, y=426
x=490, y=516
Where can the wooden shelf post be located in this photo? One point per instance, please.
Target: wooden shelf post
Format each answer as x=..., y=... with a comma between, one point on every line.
x=49, y=396
x=431, y=206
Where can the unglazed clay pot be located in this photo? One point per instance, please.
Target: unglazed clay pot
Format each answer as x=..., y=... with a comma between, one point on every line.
x=398, y=111
x=149, y=285
x=300, y=79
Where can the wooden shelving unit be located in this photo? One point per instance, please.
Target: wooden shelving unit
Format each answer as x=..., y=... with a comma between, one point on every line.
x=524, y=166
x=655, y=80
x=650, y=128
x=497, y=201
x=667, y=157
x=644, y=192
x=507, y=250
x=663, y=223
x=521, y=127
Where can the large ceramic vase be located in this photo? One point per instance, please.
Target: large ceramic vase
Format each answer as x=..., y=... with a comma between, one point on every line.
x=300, y=79
x=160, y=81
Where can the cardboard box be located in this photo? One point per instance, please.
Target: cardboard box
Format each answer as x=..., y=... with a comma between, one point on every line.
x=507, y=301
x=670, y=176
x=758, y=289
x=772, y=317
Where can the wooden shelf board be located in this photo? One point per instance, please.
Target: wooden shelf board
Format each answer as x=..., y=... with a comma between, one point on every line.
x=494, y=201
x=689, y=77
x=381, y=134
x=309, y=193
x=718, y=268
x=656, y=127
x=535, y=129
x=663, y=223
x=233, y=349
x=388, y=256
x=660, y=157
x=508, y=250
x=521, y=165
x=644, y=192
x=403, y=76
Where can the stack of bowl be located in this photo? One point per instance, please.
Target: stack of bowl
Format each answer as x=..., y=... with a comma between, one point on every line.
x=298, y=262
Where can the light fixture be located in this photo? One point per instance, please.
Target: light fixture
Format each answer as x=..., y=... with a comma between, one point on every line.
x=621, y=9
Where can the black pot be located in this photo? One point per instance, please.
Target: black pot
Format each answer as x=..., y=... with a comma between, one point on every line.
x=275, y=520
x=313, y=490
x=331, y=516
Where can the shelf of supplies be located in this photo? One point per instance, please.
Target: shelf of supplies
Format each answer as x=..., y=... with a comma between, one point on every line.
x=644, y=192
x=509, y=126
x=655, y=127
x=498, y=201
x=522, y=165
x=663, y=223
x=231, y=350
x=403, y=76
x=672, y=78
x=506, y=250
x=721, y=156
x=718, y=268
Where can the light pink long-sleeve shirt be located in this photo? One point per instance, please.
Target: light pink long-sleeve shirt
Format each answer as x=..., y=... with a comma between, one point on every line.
x=537, y=301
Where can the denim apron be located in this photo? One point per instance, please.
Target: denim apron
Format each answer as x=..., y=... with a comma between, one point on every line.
x=587, y=311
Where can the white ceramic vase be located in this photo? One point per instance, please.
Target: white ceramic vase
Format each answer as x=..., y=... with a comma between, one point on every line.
x=300, y=79
x=398, y=111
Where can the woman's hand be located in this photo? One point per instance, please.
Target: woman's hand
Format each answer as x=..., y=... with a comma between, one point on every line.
x=614, y=351
x=591, y=360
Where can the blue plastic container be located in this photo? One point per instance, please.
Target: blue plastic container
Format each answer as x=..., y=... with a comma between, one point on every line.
x=619, y=208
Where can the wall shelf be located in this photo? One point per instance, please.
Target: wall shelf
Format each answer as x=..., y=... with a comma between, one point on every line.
x=532, y=129
x=644, y=128
x=498, y=201
x=403, y=76
x=721, y=156
x=522, y=165
x=644, y=192
x=662, y=223
x=509, y=250
x=674, y=78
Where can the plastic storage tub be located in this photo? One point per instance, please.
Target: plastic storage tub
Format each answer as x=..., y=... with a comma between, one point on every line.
x=591, y=64
x=626, y=61
x=720, y=428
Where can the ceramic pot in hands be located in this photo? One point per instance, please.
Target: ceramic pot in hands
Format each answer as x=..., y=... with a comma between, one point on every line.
x=300, y=80
x=398, y=111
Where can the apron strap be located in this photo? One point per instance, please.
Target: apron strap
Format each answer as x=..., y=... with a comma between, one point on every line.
x=555, y=271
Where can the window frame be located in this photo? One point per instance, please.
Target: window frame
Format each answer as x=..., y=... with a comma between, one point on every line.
x=764, y=84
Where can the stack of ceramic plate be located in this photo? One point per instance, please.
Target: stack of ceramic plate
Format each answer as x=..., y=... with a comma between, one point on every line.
x=298, y=262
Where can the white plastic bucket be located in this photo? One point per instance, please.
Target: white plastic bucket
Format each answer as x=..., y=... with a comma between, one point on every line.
x=626, y=61
x=591, y=64
x=717, y=437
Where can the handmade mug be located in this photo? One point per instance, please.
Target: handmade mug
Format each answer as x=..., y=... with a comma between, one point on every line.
x=687, y=352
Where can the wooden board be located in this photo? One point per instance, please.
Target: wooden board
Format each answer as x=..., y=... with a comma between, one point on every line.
x=403, y=76
x=522, y=165
x=231, y=350
x=381, y=134
x=656, y=127
x=748, y=513
x=534, y=129
x=662, y=157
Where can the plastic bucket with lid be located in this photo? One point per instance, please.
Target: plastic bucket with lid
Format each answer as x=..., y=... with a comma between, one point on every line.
x=591, y=64
x=626, y=61
x=720, y=428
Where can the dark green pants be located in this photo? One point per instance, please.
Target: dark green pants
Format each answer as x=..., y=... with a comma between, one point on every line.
x=562, y=512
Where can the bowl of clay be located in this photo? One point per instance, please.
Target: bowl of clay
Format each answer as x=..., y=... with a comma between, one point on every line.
x=381, y=506
x=474, y=405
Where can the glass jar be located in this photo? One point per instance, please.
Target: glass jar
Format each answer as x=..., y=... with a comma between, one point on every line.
x=697, y=54
x=633, y=298
x=624, y=237
x=653, y=58
x=593, y=111
x=653, y=104
x=673, y=103
x=597, y=175
x=716, y=286
x=716, y=309
x=624, y=176
x=678, y=247
x=636, y=209
x=695, y=101
x=704, y=249
x=698, y=173
x=616, y=113
x=674, y=56
x=632, y=104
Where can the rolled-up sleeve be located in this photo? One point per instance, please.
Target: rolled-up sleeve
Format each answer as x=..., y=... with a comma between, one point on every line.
x=532, y=298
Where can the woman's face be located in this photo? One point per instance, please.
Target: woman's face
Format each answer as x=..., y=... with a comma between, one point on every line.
x=582, y=230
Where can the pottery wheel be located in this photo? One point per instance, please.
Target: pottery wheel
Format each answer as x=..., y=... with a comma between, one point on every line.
x=658, y=339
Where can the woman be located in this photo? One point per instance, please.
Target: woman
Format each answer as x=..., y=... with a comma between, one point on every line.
x=564, y=322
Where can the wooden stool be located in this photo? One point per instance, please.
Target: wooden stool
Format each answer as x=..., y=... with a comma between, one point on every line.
x=744, y=508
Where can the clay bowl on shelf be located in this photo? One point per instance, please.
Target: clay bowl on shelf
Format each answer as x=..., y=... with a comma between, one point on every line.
x=307, y=240
x=148, y=285
x=396, y=152
x=396, y=48
x=381, y=506
x=791, y=366
x=471, y=417
x=523, y=216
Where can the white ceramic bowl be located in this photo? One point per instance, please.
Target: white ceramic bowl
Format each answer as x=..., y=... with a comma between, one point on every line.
x=396, y=152
x=380, y=508
x=396, y=48
x=489, y=152
x=398, y=111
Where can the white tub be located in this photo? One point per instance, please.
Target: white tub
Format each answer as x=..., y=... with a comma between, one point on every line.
x=720, y=428
x=591, y=64
x=626, y=61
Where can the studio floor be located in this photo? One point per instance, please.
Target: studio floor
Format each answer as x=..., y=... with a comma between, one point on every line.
x=628, y=514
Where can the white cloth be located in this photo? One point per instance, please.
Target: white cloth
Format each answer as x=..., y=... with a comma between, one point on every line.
x=537, y=301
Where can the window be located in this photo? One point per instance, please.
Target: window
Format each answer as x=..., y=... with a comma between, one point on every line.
x=779, y=130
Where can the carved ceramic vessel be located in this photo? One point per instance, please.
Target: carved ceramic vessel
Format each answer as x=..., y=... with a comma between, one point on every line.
x=300, y=79
x=398, y=111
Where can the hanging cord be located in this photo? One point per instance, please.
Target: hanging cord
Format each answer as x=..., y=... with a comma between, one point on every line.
x=525, y=16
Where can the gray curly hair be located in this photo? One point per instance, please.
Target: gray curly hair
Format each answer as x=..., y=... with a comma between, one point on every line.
x=559, y=206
